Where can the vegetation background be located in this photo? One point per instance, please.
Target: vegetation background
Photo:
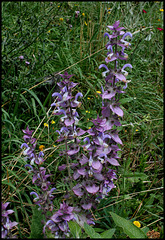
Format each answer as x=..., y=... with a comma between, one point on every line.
x=52, y=39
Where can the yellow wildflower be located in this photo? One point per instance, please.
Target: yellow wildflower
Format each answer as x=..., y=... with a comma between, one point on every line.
x=83, y=14
x=98, y=91
x=89, y=128
x=54, y=145
x=162, y=10
x=109, y=8
x=137, y=223
x=137, y=130
x=52, y=122
x=61, y=19
x=88, y=98
x=41, y=147
x=109, y=12
x=58, y=6
x=46, y=125
x=86, y=24
x=49, y=31
x=86, y=111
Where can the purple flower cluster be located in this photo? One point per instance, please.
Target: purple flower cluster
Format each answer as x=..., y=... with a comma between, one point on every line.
x=91, y=167
x=58, y=223
x=6, y=224
x=90, y=163
x=43, y=200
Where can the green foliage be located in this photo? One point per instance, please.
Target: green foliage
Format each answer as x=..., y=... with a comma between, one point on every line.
x=108, y=233
x=128, y=227
x=91, y=232
x=75, y=229
x=36, y=225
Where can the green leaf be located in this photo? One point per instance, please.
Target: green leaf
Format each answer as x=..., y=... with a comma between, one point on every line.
x=108, y=233
x=135, y=177
x=75, y=229
x=36, y=226
x=37, y=99
x=91, y=232
x=128, y=227
x=9, y=183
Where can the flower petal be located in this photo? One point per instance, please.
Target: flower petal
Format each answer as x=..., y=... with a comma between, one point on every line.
x=113, y=161
x=86, y=206
x=96, y=164
x=92, y=189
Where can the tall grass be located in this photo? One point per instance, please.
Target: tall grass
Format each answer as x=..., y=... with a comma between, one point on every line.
x=35, y=31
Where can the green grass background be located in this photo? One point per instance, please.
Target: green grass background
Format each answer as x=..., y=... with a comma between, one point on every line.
x=40, y=31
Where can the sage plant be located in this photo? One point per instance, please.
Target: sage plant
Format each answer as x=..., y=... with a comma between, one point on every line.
x=43, y=200
x=90, y=163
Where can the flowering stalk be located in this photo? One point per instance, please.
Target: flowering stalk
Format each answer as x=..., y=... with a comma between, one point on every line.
x=93, y=172
x=66, y=106
x=91, y=166
x=43, y=200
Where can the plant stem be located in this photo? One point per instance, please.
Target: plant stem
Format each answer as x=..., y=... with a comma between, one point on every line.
x=67, y=160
